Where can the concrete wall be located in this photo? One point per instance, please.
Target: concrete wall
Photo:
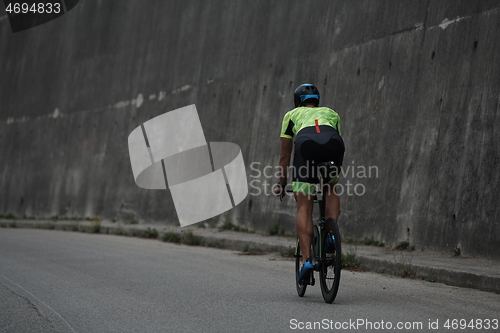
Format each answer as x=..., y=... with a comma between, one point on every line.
x=416, y=84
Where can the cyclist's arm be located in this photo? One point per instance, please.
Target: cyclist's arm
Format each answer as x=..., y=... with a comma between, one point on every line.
x=285, y=154
x=338, y=127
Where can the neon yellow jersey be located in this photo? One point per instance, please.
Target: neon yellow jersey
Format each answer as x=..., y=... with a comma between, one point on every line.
x=303, y=116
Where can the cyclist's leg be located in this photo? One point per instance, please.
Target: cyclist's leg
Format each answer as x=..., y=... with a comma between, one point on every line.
x=335, y=153
x=332, y=202
x=303, y=189
x=304, y=223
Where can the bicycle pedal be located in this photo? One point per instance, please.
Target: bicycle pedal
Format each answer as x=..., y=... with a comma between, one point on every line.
x=312, y=281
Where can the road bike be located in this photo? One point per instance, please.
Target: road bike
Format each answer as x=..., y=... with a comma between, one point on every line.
x=326, y=247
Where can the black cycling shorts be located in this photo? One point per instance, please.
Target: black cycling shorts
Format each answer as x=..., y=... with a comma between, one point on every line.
x=312, y=148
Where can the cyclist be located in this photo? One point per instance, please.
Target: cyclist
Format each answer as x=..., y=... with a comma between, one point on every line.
x=317, y=139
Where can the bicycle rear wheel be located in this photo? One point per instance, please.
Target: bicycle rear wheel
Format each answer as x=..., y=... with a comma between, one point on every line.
x=332, y=261
x=301, y=289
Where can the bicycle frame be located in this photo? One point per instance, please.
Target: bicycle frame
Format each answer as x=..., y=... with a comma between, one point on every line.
x=321, y=224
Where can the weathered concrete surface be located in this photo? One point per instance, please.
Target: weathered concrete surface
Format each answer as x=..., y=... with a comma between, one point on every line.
x=416, y=84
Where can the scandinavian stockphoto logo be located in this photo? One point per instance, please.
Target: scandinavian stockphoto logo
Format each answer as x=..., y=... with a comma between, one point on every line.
x=205, y=179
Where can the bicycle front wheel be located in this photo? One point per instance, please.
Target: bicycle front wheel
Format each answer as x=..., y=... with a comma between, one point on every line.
x=332, y=261
x=301, y=288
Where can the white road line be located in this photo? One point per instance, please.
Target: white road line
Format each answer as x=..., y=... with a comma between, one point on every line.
x=39, y=300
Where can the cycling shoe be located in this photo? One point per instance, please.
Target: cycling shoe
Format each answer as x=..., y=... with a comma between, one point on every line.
x=305, y=272
x=330, y=241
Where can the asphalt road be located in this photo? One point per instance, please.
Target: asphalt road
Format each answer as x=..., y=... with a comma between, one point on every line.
x=55, y=281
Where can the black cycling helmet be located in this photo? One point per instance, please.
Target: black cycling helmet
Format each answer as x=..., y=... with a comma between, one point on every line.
x=306, y=92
